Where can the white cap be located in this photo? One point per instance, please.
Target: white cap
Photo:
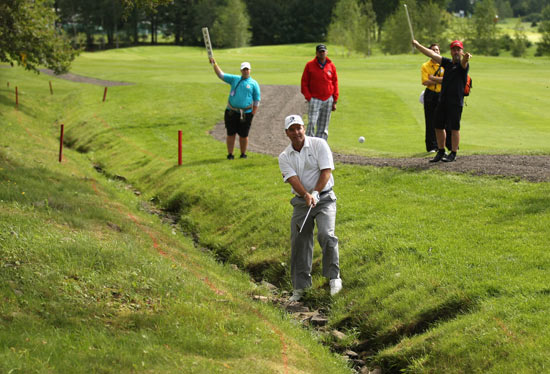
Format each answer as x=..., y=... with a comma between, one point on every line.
x=293, y=119
x=245, y=65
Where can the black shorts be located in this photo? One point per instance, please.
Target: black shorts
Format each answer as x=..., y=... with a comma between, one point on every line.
x=448, y=116
x=234, y=124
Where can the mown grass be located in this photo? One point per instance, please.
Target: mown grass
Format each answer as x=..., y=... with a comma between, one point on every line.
x=90, y=282
x=508, y=26
x=442, y=272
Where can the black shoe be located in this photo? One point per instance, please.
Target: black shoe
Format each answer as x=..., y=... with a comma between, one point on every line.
x=449, y=158
x=230, y=156
x=438, y=157
x=243, y=155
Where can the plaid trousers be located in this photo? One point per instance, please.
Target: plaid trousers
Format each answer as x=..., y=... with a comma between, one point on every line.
x=319, y=117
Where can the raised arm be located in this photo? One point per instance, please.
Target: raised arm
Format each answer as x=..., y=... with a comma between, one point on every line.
x=217, y=69
x=426, y=51
x=465, y=60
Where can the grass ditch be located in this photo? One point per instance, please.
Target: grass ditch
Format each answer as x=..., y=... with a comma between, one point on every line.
x=412, y=242
x=91, y=282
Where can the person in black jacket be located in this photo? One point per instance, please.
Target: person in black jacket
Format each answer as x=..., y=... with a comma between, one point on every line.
x=451, y=99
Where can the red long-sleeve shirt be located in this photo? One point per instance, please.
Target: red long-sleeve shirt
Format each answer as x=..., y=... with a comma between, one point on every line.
x=320, y=83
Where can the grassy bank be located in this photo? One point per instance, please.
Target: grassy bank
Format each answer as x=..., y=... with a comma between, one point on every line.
x=442, y=272
x=91, y=282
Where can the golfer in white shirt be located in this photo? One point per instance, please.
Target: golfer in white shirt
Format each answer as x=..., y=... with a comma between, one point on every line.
x=307, y=165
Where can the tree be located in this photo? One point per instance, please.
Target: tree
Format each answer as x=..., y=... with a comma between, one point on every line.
x=180, y=21
x=484, y=38
x=29, y=37
x=352, y=25
x=397, y=37
x=383, y=9
x=457, y=5
x=504, y=9
x=543, y=47
x=438, y=28
x=204, y=15
x=289, y=21
x=231, y=27
x=519, y=44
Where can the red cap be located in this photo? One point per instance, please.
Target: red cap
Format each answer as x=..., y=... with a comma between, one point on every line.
x=457, y=43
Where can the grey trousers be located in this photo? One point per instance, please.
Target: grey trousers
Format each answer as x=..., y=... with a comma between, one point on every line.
x=324, y=214
x=319, y=117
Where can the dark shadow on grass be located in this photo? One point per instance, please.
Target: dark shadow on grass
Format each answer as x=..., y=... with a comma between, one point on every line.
x=526, y=207
x=7, y=99
x=271, y=271
x=534, y=205
x=22, y=108
x=210, y=161
x=374, y=341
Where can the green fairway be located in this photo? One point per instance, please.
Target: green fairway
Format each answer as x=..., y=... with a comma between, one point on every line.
x=379, y=95
x=508, y=26
x=442, y=273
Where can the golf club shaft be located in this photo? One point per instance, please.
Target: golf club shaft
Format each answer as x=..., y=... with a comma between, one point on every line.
x=207, y=44
x=410, y=25
x=305, y=219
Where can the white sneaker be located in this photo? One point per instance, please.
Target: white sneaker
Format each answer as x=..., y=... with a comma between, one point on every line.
x=335, y=286
x=297, y=295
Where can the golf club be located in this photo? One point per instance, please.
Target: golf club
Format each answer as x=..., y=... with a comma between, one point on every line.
x=410, y=25
x=305, y=219
x=207, y=44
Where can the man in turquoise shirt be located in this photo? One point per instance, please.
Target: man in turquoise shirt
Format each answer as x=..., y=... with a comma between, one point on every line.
x=242, y=105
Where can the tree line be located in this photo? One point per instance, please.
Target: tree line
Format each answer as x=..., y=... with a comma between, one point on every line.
x=34, y=32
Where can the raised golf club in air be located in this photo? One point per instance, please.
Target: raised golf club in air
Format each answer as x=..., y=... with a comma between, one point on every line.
x=410, y=24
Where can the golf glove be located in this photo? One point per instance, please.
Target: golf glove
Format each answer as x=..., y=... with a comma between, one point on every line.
x=315, y=195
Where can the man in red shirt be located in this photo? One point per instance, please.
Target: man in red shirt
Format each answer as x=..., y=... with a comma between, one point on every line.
x=320, y=88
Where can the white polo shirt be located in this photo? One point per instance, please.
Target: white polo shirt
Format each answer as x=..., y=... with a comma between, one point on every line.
x=308, y=163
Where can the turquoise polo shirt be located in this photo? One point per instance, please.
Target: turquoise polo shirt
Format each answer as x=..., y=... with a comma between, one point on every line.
x=243, y=91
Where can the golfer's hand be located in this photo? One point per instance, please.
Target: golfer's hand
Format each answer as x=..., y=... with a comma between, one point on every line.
x=333, y=107
x=414, y=43
x=212, y=61
x=312, y=198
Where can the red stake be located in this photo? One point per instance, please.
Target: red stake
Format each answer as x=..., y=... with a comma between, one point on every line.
x=51, y=89
x=16, y=98
x=104, y=94
x=61, y=143
x=179, y=147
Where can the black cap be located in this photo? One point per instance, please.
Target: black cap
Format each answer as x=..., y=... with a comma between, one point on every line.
x=321, y=47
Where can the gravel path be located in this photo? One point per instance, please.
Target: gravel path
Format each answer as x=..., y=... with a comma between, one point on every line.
x=267, y=136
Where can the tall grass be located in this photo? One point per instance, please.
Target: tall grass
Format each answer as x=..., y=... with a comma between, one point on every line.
x=442, y=272
x=90, y=282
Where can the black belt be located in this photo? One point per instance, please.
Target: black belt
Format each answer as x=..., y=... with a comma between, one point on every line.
x=323, y=193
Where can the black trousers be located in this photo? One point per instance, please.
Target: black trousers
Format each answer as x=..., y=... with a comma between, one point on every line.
x=431, y=99
x=429, y=119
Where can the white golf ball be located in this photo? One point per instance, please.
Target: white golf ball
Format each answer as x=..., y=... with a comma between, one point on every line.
x=361, y=139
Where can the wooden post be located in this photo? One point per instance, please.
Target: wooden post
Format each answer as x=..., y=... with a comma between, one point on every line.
x=104, y=94
x=179, y=147
x=61, y=143
x=16, y=98
x=51, y=89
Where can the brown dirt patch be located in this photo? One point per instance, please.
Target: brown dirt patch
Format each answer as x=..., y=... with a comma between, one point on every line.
x=267, y=136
